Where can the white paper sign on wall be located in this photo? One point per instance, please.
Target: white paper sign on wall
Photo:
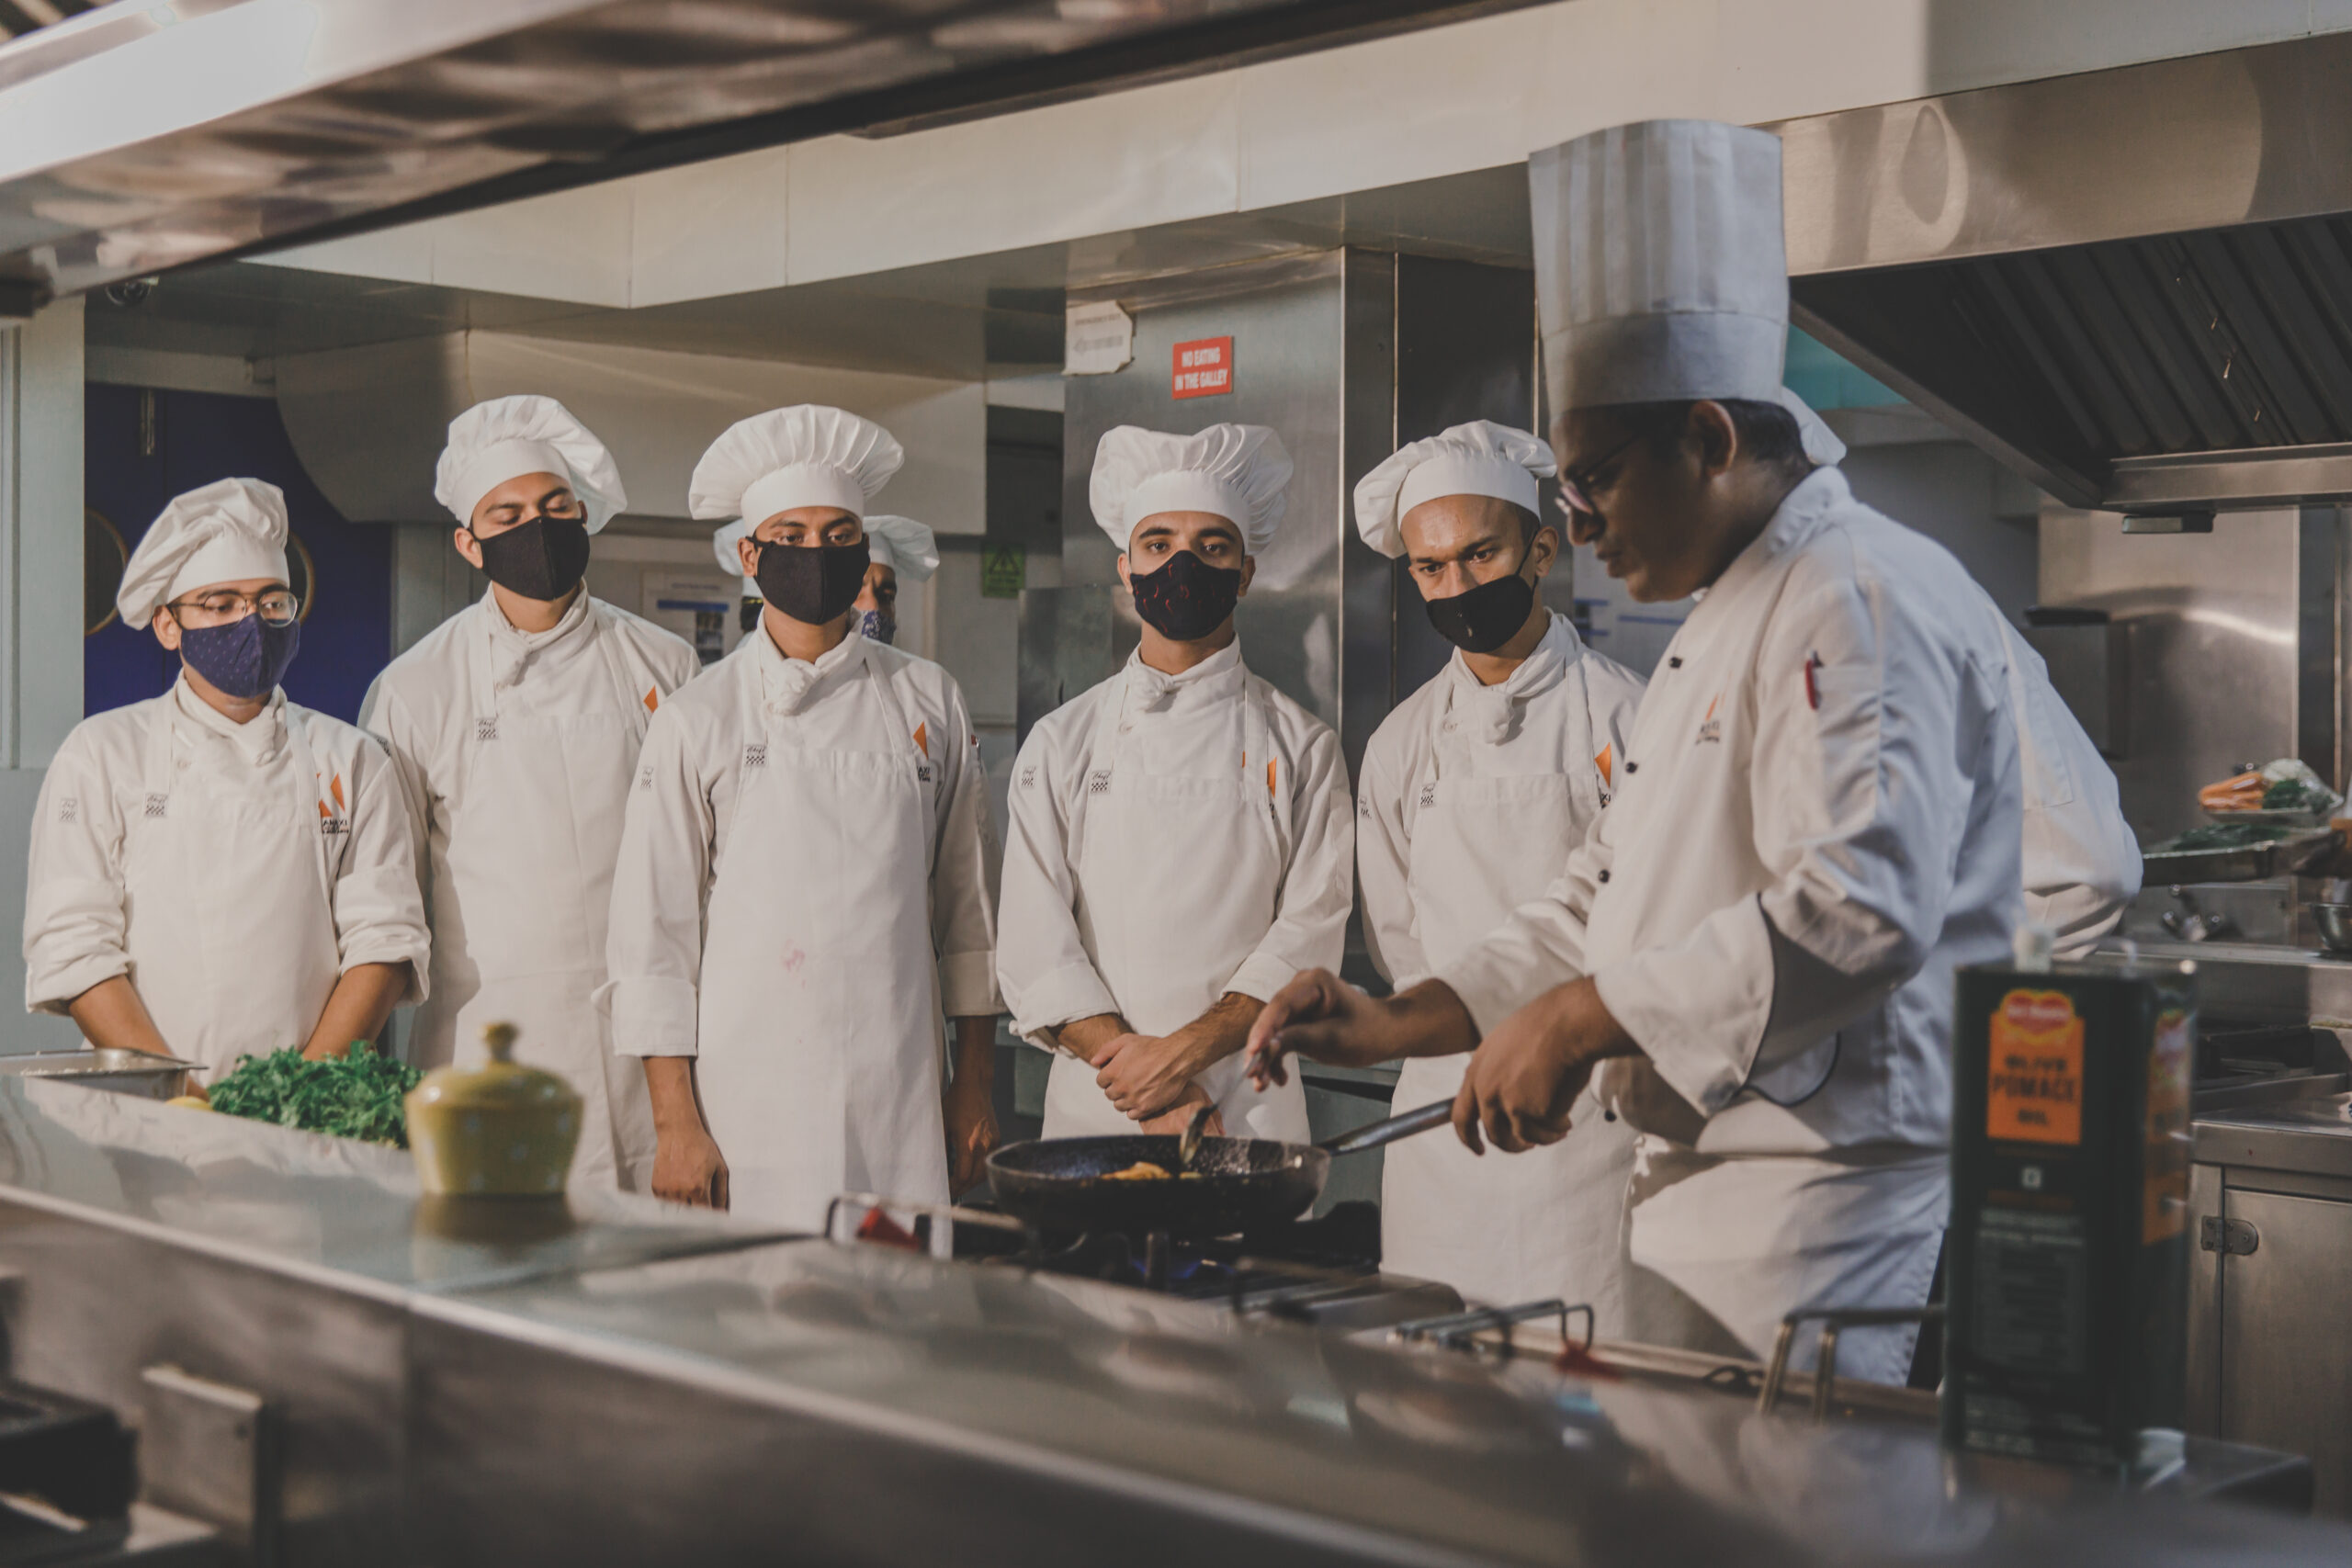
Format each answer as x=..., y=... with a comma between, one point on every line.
x=1097, y=339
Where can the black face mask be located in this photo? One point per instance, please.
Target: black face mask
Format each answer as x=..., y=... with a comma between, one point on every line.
x=1486, y=617
x=543, y=559
x=812, y=584
x=1187, y=598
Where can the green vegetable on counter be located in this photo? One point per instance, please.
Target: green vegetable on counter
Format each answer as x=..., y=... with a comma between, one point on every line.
x=357, y=1096
x=2220, y=836
x=2298, y=794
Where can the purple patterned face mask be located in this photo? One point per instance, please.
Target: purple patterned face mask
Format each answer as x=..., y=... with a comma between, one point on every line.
x=879, y=624
x=243, y=658
x=1187, y=598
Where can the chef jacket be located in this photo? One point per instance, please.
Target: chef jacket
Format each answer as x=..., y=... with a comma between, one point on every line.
x=233, y=872
x=1817, y=821
x=1472, y=797
x=514, y=752
x=819, y=1043
x=1092, y=930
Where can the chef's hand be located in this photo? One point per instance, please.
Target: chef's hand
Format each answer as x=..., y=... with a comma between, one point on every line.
x=1145, y=1075
x=688, y=1169
x=1324, y=1019
x=1524, y=1076
x=971, y=1133
x=1178, y=1116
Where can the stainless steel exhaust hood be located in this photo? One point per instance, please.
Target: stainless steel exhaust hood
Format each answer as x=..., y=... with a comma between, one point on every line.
x=141, y=137
x=2133, y=286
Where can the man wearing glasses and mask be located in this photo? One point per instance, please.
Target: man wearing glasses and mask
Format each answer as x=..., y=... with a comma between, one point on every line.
x=1472, y=792
x=218, y=871
x=514, y=729
x=1818, y=814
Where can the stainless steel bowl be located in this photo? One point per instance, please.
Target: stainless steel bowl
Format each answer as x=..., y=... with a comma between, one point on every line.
x=122, y=1072
x=2335, y=923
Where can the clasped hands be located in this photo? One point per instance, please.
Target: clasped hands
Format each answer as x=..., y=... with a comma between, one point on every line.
x=1150, y=1078
x=1521, y=1079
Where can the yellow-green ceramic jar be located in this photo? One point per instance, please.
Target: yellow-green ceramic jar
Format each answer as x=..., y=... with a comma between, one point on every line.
x=502, y=1130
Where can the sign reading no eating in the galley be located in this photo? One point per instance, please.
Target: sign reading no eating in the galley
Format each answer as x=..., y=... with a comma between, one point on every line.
x=1201, y=368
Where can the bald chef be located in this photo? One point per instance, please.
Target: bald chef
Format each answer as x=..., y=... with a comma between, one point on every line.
x=513, y=728
x=1472, y=792
x=804, y=879
x=219, y=871
x=1180, y=837
x=1818, y=816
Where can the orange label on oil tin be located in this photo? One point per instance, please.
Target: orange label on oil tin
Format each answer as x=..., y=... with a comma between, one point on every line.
x=2164, y=1179
x=2034, y=1092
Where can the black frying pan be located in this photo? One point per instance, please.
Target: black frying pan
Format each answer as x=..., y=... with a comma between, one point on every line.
x=1062, y=1184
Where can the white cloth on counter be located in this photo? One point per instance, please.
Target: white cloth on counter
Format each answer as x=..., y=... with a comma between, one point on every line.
x=1477, y=458
x=1471, y=799
x=1816, y=823
x=228, y=531
x=804, y=888
x=1237, y=472
x=1173, y=838
x=505, y=438
x=808, y=454
x=233, y=872
x=514, y=751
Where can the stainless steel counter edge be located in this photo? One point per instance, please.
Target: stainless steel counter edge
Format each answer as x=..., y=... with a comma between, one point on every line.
x=2313, y=1137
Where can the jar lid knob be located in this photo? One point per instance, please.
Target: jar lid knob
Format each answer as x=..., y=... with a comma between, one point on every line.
x=498, y=1039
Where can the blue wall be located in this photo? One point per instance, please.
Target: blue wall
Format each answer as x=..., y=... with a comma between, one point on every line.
x=199, y=437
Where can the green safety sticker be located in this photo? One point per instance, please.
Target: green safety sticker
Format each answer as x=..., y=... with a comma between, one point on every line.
x=1002, y=572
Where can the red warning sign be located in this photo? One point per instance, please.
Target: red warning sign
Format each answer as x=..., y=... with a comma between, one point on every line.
x=1202, y=368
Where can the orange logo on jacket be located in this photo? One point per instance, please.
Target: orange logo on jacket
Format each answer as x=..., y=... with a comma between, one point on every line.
x=1711, y=729
x=337, y=821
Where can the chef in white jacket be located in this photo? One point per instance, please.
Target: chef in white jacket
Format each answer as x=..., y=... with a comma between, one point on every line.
x=804, y=884
x=513, y=728
x=904, y=552
x=1818, y=815
x=219, y=871
x=1471, y=796
x=1180, y=837
x=2081, y=861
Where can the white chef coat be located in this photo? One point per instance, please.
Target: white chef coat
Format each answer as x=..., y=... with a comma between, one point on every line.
x=1471, y=799
x=803, y=888
x=233, y=872
x=2082, y=860
x=1173, y=838
x=514, y=751
x=1817, y=821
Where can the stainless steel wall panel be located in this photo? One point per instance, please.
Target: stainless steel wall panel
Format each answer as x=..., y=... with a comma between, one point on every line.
x=1372, y=615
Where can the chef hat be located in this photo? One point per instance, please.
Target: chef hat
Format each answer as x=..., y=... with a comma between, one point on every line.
x=1237, y=471
x=903, y=544
x=730, y=560
x=1478, y=458
x=508, y=438
x=228, y=531
x=1822, y=447
x=804, y=456
x=1659, y=264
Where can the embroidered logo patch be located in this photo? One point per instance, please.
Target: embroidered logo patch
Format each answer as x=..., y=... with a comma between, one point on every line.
x=1099, y=783
x=155, y=804
x=1029, y=776
x=756, y=755
x=1428, y=792
x=69, y=810
x=923, y=774
x=645, y=776
x=1711, y=729
x=486, y=729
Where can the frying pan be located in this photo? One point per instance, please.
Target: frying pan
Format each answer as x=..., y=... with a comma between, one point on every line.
x=1063, y=1184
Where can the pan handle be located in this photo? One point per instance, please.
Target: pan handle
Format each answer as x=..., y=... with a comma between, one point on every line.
x=1433, y=1115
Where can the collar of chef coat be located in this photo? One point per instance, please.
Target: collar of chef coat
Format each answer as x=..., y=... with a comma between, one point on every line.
x=1487, y=710
x=513, y=650
x=785, y=684
x=1801, y=512
x=1213, y=678
x=197, y=719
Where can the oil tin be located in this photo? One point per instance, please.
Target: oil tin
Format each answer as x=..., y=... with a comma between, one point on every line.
x=2068, y=1253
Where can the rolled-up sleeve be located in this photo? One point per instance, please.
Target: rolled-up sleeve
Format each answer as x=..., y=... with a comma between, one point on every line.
x=1047, y=977
x=75, y=922
x=378, y=906
x=1310, y=928
x=963, y=878
x=653, y=945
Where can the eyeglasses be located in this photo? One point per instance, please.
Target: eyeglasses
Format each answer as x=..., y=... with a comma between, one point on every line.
x=278, y=607
x=1576, y=489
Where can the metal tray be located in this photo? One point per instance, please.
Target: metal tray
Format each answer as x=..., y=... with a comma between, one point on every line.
x=123, y=1072
x=2251, y=862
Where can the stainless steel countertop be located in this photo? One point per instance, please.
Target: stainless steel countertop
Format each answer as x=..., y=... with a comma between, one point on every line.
x=2313, y=1136
x=302, y=1202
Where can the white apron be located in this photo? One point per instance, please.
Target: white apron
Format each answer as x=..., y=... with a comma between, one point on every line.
x=542, y=790
x=229, y=919
x=1502, y=1229
x=1192, y=868
x=818, y=1025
